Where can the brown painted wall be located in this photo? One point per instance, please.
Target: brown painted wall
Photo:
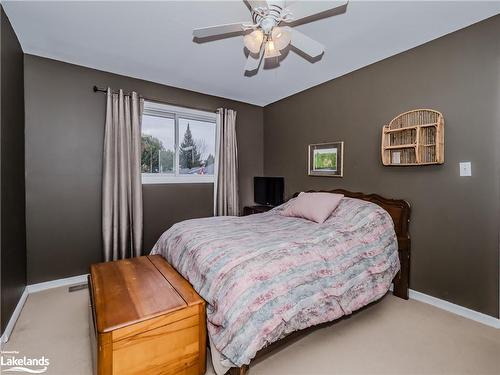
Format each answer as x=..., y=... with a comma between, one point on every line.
x=13, y=230
x=64, y=137
x=455, y=222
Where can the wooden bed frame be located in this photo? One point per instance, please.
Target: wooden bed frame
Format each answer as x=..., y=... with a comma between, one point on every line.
x=400, y=212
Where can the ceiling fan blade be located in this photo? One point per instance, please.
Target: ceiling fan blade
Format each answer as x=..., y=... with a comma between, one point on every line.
x=307, y=45
x=252, y=63
x=229, y=28
x=257, y=3
x=305, y=11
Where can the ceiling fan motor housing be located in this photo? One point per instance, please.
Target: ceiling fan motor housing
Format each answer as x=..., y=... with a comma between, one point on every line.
x=267, y=18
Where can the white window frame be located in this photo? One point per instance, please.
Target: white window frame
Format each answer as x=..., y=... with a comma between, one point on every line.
x=174, y=112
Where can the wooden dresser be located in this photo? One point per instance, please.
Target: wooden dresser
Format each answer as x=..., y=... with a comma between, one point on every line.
x=145, y=318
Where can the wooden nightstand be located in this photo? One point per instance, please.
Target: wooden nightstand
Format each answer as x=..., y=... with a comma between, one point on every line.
x=250, y=210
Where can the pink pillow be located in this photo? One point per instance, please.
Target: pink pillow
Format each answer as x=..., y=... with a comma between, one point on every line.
x=313, y=206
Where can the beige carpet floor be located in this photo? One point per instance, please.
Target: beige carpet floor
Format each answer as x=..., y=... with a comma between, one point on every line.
x=390, y=337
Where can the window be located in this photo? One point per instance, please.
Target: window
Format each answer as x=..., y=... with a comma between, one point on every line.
x=178, y=144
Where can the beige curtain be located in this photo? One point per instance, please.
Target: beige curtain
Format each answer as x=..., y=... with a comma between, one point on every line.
x=121, y=180
x=226, y=201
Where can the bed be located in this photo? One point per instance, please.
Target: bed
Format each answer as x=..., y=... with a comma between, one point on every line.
x=267, y=276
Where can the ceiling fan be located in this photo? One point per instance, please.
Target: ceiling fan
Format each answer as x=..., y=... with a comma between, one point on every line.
x=271, y=29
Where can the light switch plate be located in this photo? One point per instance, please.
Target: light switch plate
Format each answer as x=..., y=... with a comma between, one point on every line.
x=465, y=168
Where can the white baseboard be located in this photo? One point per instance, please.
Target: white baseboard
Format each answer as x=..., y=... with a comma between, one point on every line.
x=13, y=319
x=33, y=288
x=413, y=294
x=455, y=309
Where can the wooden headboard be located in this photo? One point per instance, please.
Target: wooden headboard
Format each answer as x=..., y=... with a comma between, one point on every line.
x=399, y=210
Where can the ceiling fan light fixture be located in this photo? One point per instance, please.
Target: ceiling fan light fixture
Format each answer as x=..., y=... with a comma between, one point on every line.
x=253, y=41
x=280, y=37
x=271, y=50
x=271, y=29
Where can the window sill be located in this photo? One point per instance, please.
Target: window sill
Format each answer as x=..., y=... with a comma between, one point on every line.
x=148, y=180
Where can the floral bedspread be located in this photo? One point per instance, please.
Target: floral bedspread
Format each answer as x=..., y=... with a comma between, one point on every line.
x=264, y=276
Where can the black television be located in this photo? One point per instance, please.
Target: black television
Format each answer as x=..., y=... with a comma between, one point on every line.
x=268, y=191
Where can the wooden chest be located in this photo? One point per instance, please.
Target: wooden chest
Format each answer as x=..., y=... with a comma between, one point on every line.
x=145, y=319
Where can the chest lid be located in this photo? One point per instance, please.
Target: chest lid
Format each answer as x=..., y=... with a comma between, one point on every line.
x=132, y=290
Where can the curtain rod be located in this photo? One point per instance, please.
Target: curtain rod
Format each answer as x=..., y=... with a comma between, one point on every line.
x=97, y=89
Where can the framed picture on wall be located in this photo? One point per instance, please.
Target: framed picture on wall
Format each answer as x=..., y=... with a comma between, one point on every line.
x=326, y=159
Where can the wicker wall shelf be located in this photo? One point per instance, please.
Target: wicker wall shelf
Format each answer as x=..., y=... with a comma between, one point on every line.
x=414, y=138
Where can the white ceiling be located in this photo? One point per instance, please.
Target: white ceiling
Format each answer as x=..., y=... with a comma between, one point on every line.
x=153, y=40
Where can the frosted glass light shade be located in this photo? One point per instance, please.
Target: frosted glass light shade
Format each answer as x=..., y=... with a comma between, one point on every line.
x=281, y=38
x=253, y=41
x=271, y=50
